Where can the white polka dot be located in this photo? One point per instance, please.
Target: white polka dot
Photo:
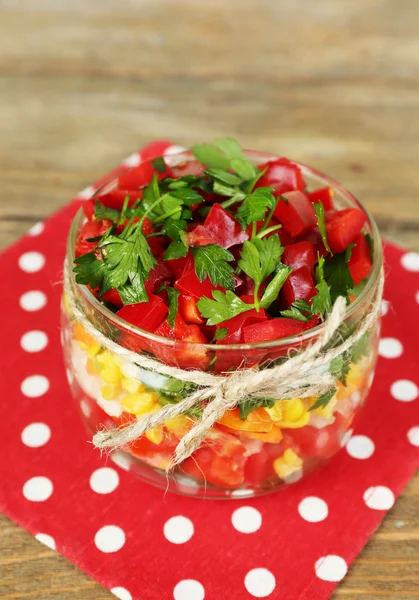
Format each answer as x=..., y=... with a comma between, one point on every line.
x=109, y=539
x=121, y=459
x=313, y=509
x=104, y=480
x=260, y=583
x=121, y=593
x=360, y=446
x=410, y=261
x=346, y=437
x=34, y=341
x=170, y=150
x=417, y=297
x=379, y=497
x=390, y=348
x=33, y=300
x=133, y=160
x=413, y=436
x=246, y=519
x=189, y=589
x=46, y=539
x=404, y=390
x=34, y=386
x=38, y=489
x=178, y=530
x=36, y=229
x=36, y=435
x=87, y=193
x=31, y=262
x=331, y=568
x=85, y=408
x=384, y=306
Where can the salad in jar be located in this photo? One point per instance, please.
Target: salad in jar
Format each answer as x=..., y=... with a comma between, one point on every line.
x=217, y=260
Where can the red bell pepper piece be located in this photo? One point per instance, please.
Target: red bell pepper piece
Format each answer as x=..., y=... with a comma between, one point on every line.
x=113, y=297
x=181, y=266
x=156, y=277
x=360, y=263
x=259, y=469
x=189, y=310
x=276, y=329
x=140, y=176
x=188, y=353
x=224, y=228
x=146, y=315
x=190, y=285
x=296, y=213
x=323, y=195
x=343, y=227
x=299, y=255
x=283, y=175
x=200, y=236
x=235, y=325
x=298, y=286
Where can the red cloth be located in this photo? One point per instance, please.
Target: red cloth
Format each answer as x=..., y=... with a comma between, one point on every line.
x=285, y=548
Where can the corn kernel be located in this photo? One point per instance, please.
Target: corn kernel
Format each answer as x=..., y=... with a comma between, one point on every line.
x=293, y=409
x=139, y=404
x=289, y=414
x=85, y=340
x=287, y=464
x=110, y=391
x=275, y=412
x=132, y=386
x=179, y=425
x=155, y=435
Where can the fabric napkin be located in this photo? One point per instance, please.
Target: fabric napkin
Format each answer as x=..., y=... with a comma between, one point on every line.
x=143, y=544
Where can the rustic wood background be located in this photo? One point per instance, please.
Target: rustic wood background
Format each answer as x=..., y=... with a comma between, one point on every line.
x=333, y=83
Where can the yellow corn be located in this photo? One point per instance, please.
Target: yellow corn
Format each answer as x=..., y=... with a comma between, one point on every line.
x=178, y=425
x=155, y=435
x=139, y=404
x=289, y=414
x=132, y=386
x=287, y=464
x=111, y=391
x=275, y=412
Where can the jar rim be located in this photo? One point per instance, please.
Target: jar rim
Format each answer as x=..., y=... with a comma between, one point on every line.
x=300, y=338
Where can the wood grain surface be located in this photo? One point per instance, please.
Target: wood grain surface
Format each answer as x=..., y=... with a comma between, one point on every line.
x=334, y=84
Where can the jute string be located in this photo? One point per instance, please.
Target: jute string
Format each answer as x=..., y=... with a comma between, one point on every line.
x=293, y=378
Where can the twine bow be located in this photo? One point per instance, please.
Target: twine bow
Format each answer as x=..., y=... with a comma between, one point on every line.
x=302, y=375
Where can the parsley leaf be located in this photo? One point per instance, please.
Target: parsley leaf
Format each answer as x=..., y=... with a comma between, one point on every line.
x=337, y=274
x=339, y=366
x=175, y=250
x=220, y=334
x=255, y=205
x=319, y=210
x=270, y=252
x=323, y=400
x=273, y=288
x=173, y=299
x=212, y=261
x=210, y=156
x=104, y=212
x=250, y=405
x=294, y=313
x=89, y=270
x=223, y=307
x=361, y=348
x=159, y=164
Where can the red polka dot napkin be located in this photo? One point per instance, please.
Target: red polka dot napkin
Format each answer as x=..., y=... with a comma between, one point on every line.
x=143, y=544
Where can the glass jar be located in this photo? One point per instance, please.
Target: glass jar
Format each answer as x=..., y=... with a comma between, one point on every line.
x=273, y=446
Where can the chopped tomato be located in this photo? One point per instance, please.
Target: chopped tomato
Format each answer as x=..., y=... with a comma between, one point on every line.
x=296, y=213
x=298, y=286
x=90, y=229
x=276, y=329
x=281, y=174
x=223, y=226
x=323, y=195
x=343, y=228
x=299, y=255
x=259, y=469
x=360, y=264
x=323, y=442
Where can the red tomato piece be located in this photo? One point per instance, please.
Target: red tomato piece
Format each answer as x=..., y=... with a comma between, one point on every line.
x=90, y=229
x=343, y=227
x=324, y=442
x=140, y=176
x=189, y=310
x=296, y=213
x=200, y=236
x=299, y=255
x=283, y=175
x=223, y=226
x=298, y=286
x=323, y=195
x=275, y=329
x=259, y=469
x=360, y=264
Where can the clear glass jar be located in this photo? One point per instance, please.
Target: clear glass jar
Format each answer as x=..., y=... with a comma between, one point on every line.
x=273, y=447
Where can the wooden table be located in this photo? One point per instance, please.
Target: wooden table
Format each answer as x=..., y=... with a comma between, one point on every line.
x=333, y=84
